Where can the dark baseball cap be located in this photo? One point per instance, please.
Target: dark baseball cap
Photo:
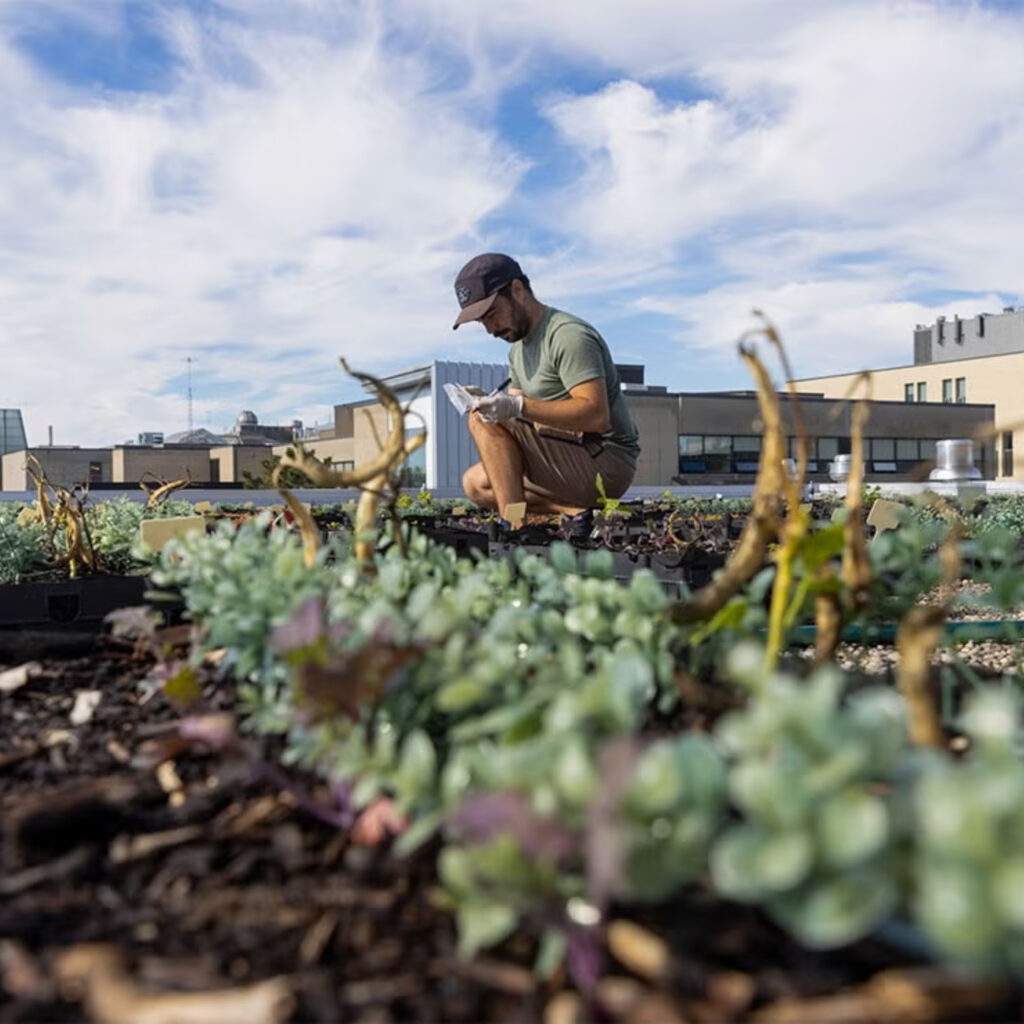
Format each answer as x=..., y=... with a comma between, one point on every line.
x=479, y=282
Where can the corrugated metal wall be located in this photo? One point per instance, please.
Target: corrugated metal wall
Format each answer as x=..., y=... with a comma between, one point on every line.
x=453, y=448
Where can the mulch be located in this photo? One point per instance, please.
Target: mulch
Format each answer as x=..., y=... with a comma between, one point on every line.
x=197, y=877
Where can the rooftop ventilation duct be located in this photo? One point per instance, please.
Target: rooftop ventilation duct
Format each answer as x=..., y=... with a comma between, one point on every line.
x=954, y=460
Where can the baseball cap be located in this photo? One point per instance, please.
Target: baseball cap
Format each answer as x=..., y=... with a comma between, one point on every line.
x=480, y=280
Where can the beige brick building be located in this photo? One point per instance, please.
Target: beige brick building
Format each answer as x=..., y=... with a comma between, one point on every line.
x=958, y=362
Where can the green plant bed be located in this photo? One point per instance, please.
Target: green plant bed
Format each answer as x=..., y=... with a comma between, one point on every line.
x=532, y=713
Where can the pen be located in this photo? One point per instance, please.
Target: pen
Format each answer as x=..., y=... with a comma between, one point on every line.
x=501, y=387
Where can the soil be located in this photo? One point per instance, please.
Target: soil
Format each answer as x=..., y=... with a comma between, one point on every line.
x=199, y=877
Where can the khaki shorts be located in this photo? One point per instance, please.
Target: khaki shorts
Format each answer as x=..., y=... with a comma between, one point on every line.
x=566, y=472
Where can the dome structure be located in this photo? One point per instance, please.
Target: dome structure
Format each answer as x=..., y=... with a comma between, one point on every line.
x=246, y=418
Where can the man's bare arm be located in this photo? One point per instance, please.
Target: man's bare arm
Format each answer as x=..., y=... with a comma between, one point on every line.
x=585, y=409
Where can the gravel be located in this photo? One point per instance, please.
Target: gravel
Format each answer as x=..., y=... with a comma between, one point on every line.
x=984, y=656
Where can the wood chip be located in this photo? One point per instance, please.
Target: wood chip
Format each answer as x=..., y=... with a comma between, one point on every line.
x=565, y=1008
x=315, y=940
x=618, y=994
x=86, y=703
x=236, y=819
x=125, y=849
x=925, y=995
x=496, y=974
x=22, y=978
x=170, y=783
x=96, y=975
x=639, y=950
x=659, y=1008
x=118, y=751
x=381, y=990
x=15, y=678
x=44, y=874
x=22, y=753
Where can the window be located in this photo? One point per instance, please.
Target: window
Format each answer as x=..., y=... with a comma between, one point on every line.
x=922, y=391
x=961, y=390
x=414, y=472
x=746, y=443
x=906, y=449
x=947, y=390
x=883, y=448
x=717, y=453
x=1007, y=453
x=928, y=448
x=908, y=392
x=691, y=454
x=346, y=466
x=828, y=448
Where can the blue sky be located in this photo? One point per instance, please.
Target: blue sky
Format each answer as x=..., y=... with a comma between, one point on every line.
x=264, y=185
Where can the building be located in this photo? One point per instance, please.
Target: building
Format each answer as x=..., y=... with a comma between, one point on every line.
x=12, y=431
x=12, y=435
x=63, y=465
x=685, y=437
x=958, y=361
x=247, y=430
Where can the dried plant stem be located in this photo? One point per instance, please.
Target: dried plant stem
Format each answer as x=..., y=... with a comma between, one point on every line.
x=916, y=640
x=308, y=529
x=828, y=619
x=762, y=525
x=369, y=501
x=855, y=565
x=164, y=490
x=918, y=635
x=35, y=470
x=392, y=450
x=65, y=511
x=372, y=477
x=366, y=518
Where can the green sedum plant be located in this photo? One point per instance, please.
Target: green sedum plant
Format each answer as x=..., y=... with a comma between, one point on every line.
x=969, y=855
x=22, y=546
x=818, y=843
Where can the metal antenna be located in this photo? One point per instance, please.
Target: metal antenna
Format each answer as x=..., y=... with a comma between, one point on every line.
x=189, y=360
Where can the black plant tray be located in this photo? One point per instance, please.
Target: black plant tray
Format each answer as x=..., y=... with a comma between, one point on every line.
x=80, y=604
x=672, y=571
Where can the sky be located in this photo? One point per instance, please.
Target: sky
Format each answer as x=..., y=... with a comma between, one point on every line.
x=262, y=186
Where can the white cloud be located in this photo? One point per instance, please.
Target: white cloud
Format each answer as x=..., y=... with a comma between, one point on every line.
x=867, y=156
x=318, y=206
x=314, y=172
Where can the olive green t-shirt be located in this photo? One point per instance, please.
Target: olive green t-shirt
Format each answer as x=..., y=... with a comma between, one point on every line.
x=562, y=352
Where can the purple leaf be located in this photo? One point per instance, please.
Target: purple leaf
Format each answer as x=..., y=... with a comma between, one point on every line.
x=352, y=680
x=585, y=958
x=483, y=816
x=215, y=730
x=605, y=842
x=304, y=629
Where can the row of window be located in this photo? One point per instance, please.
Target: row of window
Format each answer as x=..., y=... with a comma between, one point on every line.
x=738, y=453
x=953, y=390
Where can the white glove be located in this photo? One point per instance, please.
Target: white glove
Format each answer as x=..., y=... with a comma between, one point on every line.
x=500, y=407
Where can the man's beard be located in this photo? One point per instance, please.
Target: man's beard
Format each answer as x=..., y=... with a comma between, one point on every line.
x=519, y=325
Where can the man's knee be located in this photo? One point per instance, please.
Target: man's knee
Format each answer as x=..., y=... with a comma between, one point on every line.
x=475, y=484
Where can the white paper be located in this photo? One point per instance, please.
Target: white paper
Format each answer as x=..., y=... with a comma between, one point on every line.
x=460, y=397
